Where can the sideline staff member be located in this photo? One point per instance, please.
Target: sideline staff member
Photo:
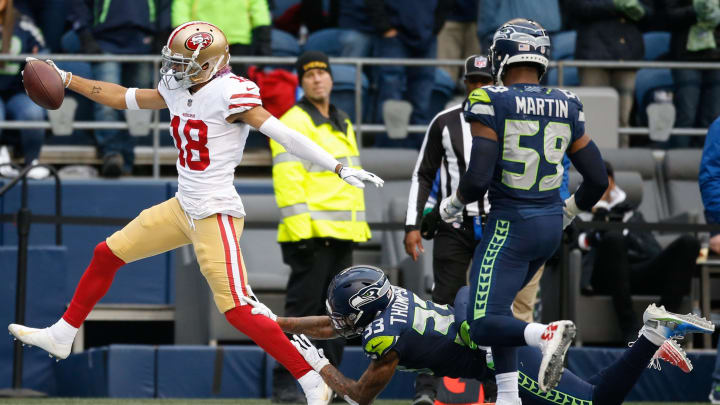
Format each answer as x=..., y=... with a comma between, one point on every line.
x=321, y=217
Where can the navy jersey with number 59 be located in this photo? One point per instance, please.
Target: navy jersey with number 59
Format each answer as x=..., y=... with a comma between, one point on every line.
x=534, y=125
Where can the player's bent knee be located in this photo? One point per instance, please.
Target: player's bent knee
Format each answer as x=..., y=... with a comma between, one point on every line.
x=481, y=331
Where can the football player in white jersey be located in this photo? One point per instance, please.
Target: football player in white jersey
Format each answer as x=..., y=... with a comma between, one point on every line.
x=212, y=110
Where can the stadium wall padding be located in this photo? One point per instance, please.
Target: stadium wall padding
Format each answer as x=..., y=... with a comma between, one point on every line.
x=45, y=304
x=246, y=372
x=147, y=281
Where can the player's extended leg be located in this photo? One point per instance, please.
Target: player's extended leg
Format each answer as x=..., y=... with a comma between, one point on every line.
x=156, y=230
x=216, y=243
x=509, y=254
x=611, y=385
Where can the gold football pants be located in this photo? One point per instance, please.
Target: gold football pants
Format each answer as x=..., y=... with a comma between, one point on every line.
x=215, y=240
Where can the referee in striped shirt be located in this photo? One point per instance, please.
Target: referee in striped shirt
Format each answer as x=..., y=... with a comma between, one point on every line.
x=446, y=148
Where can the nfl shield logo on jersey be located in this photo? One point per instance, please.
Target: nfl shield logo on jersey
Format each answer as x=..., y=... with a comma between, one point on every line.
x=189, y=102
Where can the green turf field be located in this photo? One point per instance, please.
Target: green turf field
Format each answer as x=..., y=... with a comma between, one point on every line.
x=204, y=401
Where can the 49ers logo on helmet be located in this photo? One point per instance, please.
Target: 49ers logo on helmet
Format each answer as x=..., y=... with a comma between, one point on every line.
x=199, y=40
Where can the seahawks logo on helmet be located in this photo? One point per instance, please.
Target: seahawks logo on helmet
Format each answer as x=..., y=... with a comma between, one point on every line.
x=519, y=41
x=369, y=294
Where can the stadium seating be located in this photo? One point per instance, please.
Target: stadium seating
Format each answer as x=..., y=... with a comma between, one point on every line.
x=325, y=40
x=681, y=170
x=642, y=161
x=284, y=44
x=343, y=92
x=602, y=326
x=563, y=48
x=601, y=106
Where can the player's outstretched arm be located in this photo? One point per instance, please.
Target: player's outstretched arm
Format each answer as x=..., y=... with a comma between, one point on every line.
x=317, y=327
x=302, y=147
x=361, y=392
x=586, y=158
x=111, y=94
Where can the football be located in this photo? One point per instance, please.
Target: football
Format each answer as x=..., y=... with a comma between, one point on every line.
x=43, y=84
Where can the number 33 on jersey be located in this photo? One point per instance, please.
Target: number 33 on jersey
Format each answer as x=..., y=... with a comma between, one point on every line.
x=535, y=126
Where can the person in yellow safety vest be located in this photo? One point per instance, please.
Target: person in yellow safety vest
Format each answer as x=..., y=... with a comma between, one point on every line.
x=322, y=218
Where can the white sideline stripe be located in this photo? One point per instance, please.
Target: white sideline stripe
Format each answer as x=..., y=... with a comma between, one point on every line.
x=234, y=259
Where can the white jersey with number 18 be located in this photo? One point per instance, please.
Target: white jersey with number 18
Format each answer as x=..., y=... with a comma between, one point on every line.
x=209, y=148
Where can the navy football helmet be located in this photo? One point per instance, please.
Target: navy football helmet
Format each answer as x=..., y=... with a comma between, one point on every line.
x=519, y=41
x=355, y=296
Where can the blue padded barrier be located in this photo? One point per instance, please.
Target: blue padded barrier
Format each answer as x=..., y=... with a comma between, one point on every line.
x=83, y=374
x=242, y=372
x=189, y=372
x=45, y=304
x=118, y=371
x=670, y=384
x=185, y=371
x=145, y=281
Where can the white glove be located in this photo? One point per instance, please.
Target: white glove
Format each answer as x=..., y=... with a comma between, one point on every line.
x=259, y=308
x=65, y=76
x=356, y=177
x=314, y=356
x=451, y=209
x=570, y=211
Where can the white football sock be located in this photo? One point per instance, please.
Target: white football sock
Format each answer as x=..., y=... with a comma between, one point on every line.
x=533, y=333
x=507, y=388
x=310, y=380
x=63, y=332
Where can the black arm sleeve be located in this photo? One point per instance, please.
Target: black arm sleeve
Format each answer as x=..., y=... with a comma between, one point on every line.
x=590, y=164
x=429, y=161
x=475, y=181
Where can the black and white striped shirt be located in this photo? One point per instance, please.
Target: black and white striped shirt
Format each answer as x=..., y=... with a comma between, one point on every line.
x=446, y=147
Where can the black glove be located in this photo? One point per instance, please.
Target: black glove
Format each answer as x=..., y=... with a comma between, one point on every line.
x=430, y=223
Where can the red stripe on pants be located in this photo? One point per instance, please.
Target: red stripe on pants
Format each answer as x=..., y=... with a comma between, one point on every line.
x=228, y=261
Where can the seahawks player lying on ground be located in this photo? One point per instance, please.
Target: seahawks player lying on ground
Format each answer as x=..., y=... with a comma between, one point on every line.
x=401, y=331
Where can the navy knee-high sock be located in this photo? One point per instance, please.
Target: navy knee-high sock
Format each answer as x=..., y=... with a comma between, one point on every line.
x=614, y=382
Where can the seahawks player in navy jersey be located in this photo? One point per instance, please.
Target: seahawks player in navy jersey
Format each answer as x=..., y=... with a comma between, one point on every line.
x=401, y=331
x=521, y=131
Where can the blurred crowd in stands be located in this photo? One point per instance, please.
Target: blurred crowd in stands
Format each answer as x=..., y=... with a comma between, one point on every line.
x=612, y=30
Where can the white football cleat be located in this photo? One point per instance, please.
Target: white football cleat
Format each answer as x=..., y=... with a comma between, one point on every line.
x=40, y=338
x=668, y=325
x=554, y=344
x=316, y=390
x=671, y=352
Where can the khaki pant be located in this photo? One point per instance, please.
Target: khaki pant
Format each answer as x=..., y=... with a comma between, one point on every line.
x=215, y=239
x=457, y=40
x=622, y=80
x=525, y=299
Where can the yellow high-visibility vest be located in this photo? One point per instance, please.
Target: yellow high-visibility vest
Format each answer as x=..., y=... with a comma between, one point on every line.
x=314, y=202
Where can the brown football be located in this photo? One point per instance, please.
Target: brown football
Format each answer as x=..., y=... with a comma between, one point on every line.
x=43, y=84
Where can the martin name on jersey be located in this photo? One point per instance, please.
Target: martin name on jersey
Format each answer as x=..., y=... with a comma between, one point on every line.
x=426, y=337
x=535, y=126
